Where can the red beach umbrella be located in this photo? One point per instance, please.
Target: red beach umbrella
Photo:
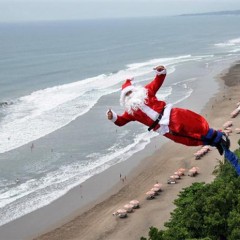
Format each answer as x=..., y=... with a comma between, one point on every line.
x=121, y=213
x=135, y=203
x=206, y=147
x=150, y=194
x=128, y=207
x=181, y=169
x=227, y=124
x=234, y=113
x=237, y=130
x=176, y=176
x=155, y=190
x=159, y=185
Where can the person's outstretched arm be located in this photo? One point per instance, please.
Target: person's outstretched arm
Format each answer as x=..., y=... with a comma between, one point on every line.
x=119, y=120
x=158, y=80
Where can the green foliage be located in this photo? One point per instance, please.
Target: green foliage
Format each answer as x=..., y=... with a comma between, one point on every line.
x=206, y=211
x=239, y=142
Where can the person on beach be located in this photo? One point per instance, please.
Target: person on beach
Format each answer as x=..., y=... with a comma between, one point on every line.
x=180, y=125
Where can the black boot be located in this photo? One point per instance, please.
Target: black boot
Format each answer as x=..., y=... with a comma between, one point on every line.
x=223, y=144
x=220, y=148
x=225, y=141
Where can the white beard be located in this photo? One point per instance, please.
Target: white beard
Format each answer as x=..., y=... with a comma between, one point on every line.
x=135, y=100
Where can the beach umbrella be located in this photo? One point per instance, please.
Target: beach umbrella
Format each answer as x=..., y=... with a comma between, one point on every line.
x=195, y=168
x=207, y=148
x=121, y=213
x=182, y=169
x=158, y=189
x=191, y=173
x=228, y=129
x=235, y=112
x=128, y=207
x=237, y=130
x=135, y=203
x=202, y=151
x=174, y=177
x=227, y=132
x=150, y=194
x=179, y=173
x=227, y=124
x=159, y=185
x=177, y=176
x=155, y=190
x=197, y=155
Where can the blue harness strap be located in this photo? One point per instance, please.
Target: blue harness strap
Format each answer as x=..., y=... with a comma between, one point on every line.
x=212, y=137
x=233, y=159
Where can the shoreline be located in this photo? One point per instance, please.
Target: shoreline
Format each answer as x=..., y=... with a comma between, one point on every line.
x=143, y=174
x=138, y=223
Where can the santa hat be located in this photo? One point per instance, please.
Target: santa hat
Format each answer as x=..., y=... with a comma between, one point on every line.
x=126, y=87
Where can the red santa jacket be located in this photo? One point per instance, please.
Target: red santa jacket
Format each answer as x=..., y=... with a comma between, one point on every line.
x=151, y=109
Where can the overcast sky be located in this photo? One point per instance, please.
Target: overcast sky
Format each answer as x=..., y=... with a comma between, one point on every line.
x=35, y=10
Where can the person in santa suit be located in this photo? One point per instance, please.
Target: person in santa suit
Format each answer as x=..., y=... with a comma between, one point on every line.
x=180, y=125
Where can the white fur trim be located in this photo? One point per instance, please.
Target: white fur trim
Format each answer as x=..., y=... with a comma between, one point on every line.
x=164, y=71
x=124, y=91
x=149, y=112
x=127, y=89
x=114, y=116
x=164, y=122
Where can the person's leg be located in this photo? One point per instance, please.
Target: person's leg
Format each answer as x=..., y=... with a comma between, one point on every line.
x=191, y=129
x=188, y=124
x=184, y=140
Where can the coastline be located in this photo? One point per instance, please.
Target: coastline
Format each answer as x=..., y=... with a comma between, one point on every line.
x=95, y=220
x=156, y=212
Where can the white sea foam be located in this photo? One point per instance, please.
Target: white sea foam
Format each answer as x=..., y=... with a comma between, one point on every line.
x=160, y=61
x=187, y=95
x=36, y=193
x=71, y=100
x=236, y=50
x=231, y=42
x=232, y=45
x=45, y=111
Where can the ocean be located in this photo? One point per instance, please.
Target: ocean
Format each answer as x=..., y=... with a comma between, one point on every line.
x=58, y=79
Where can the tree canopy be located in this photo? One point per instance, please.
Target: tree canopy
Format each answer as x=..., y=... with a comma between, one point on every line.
x=205, y=211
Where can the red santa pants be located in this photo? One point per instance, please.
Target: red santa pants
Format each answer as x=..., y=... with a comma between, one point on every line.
x=187, y=127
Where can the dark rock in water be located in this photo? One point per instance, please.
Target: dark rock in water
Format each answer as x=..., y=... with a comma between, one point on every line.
x=2, y=104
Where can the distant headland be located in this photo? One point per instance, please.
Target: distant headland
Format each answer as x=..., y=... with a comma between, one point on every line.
x=234, y=12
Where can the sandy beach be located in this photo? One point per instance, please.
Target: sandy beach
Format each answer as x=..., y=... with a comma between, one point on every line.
x=98, y=223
